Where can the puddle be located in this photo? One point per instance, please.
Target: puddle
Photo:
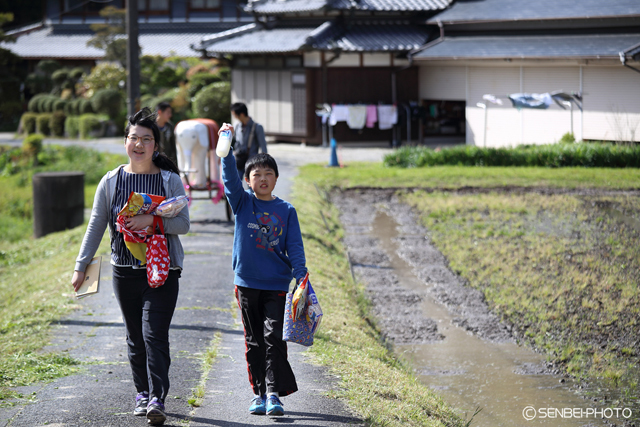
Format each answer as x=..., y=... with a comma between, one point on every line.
x=502, y=378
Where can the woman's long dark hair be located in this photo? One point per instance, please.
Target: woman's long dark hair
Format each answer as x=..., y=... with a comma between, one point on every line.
x=147, y=118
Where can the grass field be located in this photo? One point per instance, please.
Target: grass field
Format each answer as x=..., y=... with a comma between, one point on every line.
x=377, y=175
x=35, y=275
x=562, y=269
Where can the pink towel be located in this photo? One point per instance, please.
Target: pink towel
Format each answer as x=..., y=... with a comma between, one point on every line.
x=372, y=115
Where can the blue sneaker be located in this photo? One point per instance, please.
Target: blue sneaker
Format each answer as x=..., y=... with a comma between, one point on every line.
x=257, y=406
x=274, y=406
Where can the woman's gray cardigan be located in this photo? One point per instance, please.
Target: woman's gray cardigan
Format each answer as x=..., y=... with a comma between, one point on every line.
x=101, y=211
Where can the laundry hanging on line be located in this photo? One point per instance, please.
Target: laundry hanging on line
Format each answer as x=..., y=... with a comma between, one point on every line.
x=358, y=115
x=387, y=116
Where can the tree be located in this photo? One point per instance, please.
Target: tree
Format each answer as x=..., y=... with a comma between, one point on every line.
x=109, y=35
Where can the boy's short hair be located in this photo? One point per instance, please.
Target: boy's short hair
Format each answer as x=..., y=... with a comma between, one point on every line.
x=163, y=106
x=240, y=108
x=262, y=160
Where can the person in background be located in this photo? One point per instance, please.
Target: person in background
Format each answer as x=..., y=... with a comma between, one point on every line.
x=167, y=136
x=249, y=137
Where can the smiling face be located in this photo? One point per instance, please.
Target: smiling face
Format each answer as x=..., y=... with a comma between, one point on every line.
x=139, y=151
x=262, y=181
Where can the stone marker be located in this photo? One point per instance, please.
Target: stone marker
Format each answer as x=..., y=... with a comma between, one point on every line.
x=58, y=201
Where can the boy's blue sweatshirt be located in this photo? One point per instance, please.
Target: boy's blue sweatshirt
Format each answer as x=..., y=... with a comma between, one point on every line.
x=267, y=236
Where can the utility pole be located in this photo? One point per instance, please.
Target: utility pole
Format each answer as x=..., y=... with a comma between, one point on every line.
x=133, y=58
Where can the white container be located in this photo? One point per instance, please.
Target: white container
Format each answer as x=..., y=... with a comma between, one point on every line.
x=224, y=143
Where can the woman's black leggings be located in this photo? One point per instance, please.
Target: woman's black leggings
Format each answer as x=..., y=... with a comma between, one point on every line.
x=147, y=314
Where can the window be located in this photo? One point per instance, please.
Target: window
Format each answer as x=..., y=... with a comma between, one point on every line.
x=153, y=5
x=205, y=4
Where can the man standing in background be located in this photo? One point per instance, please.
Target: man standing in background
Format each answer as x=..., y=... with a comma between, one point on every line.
x=249, y=137
x=167, y=136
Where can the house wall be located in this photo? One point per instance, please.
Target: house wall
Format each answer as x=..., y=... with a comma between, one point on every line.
x=268, y=95
x=611, y=110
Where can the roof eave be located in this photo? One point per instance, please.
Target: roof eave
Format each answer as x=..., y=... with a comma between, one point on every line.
x=511, y=58
x=435, y=20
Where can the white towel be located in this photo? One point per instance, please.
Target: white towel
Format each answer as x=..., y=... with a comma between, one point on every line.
x=387, y=116
x=357, y=116
x=339, y=113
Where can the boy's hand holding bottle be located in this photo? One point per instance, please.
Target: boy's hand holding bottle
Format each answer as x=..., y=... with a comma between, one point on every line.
x=225, y=135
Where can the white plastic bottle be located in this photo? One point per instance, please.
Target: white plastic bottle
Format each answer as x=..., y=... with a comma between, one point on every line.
x=224, y=143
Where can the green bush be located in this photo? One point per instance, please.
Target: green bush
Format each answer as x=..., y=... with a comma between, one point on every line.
x=42, y=123
x=76, y=73
x=582, y=154
x=72, y=126
x=107, y=101
x=567, y=138
x=200, y=80
x=59, y=105
x=32, y=145
x=213, y=101
x=45, y=103
x=84, y=106
x=88, y=123
x=34, y=102
x=72, y=107
x=29, y=122
x=56, y=123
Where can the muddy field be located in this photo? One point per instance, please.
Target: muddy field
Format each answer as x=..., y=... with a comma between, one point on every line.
x=367, y=216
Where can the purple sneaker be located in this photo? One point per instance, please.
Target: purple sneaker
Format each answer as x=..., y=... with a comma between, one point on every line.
x=155, y=412
x=142, y=400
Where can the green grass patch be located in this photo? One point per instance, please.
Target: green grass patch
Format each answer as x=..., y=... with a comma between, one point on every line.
x=603, y=155
x=444, y=177
x=17, y=168
x=35, y=290
x=374, y=384
x=208, y=358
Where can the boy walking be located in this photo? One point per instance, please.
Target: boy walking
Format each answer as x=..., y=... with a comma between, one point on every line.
x=267, y=254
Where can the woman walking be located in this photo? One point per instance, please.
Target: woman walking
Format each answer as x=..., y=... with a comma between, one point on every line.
x=146, y=311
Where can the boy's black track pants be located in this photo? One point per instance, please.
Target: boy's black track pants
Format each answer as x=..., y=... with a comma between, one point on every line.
x=263, y=319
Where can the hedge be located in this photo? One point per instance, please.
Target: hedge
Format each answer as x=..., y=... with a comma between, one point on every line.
x=42, y=122
x=72, y=126
x=582, y=154
x=88, y=123
x=56, y=123
x=28, y=121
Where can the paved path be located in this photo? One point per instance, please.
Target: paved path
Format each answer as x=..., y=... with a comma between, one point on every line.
x=102, y=393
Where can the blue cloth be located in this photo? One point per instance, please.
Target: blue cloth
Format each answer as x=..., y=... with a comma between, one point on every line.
x=267, y=243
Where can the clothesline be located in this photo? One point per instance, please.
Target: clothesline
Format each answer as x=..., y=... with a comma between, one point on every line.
x=358, y=116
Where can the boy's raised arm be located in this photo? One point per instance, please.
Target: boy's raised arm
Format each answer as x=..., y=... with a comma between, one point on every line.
x=295, y=247
x=232, y=185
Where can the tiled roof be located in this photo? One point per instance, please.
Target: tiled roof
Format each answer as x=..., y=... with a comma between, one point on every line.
x=70, y=40
x=375, y=36
x=262, y=40
x=359, y=37
x=509, y=10
x=533, y=46
x=275, y=7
